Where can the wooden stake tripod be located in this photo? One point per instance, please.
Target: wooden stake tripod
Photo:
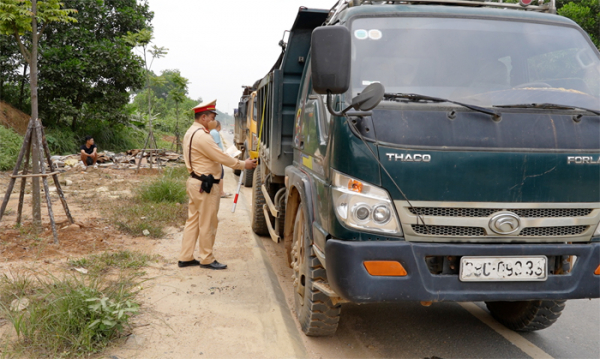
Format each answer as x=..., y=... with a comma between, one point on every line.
x=149, y=140
x=177, y=143
x=35, y=126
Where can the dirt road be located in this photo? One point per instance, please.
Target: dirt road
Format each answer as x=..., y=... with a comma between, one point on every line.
x=200, y=313
x=185, y=312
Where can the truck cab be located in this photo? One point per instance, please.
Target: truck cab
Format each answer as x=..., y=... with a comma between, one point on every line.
x=246, y=130
x=442, y=151
x=240, y=124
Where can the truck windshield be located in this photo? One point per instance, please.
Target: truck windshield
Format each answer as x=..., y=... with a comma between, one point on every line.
x=480, y=62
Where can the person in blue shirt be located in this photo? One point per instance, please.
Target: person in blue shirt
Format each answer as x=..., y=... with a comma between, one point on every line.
x=217, y=137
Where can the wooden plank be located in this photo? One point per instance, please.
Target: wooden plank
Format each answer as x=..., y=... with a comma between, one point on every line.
x=23, y=185
x=35, y=175
x=59, y=190
x=38, y=131
x=142, y=153
x=11, y=184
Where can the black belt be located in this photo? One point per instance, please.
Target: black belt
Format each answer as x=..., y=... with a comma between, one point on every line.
x=207, y=181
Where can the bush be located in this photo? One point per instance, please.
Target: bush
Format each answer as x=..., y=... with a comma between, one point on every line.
x=116, y=138
x=10, y=145
x=62, y=141
x=69, y=316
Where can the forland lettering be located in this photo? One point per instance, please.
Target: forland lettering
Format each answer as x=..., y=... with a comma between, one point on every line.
x=580, y=160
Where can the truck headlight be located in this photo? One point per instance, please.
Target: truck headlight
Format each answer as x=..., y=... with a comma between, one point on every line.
x=364, y=206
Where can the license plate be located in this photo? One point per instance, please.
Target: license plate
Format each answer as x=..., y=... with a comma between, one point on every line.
x=499, y=269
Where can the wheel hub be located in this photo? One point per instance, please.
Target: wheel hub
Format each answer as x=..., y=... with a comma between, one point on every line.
x=298, y=261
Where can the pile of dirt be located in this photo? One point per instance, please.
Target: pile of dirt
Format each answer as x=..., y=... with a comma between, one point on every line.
x=12, y=118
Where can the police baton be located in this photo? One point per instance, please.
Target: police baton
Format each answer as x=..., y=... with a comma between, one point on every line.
x=237, y=193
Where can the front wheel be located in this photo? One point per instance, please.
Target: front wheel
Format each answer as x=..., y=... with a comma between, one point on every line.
x=248, y=174
x=317, y=315
x=259, y=222
x=527, y=316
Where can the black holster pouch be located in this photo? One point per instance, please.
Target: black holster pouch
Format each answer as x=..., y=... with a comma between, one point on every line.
x=207, y=182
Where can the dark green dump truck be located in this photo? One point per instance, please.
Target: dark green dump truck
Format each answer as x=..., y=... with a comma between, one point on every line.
x=433, y=151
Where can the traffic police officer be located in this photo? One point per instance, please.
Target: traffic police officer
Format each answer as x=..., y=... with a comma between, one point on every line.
x=203, y=159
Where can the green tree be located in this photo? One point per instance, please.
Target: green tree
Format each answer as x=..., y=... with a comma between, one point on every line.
x=19, y=18
x=90, y=68
x=150, y=52
x=178, y=95
x=586, y=13
x=14, y=78
x=31, y=17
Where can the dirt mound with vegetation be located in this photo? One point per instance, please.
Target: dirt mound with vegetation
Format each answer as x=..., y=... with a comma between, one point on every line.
x=12, y=118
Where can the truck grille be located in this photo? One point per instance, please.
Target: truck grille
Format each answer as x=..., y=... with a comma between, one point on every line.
x=480, y=232
x=448, y=231
x=486, y=212
x=474, y=222
x=552, y=231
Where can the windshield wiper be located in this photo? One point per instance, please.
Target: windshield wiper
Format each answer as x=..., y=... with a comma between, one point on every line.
x=413, y=97
x=548, y=106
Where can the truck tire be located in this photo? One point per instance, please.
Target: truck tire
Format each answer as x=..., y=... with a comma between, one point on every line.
x=316, y=313
x=281, y=220
x=259, y=222
x=526, y=316
x=248, y=174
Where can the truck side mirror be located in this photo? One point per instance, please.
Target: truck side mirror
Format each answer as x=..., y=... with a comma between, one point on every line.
x=330, y=59
x=369, y=98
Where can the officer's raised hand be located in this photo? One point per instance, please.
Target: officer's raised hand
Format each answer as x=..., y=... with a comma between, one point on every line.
x=250, y=164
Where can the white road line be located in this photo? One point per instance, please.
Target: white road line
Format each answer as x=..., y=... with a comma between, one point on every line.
x=525, y=345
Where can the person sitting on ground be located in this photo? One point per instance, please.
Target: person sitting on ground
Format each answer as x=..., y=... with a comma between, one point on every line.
x=89, y=153
x=217, y=136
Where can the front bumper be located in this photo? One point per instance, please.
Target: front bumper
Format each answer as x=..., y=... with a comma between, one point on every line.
x=348, y=277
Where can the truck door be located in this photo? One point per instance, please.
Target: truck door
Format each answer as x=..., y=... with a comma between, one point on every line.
x=311, y=138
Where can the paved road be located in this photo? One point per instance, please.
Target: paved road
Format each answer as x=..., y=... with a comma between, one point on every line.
x=444, y=330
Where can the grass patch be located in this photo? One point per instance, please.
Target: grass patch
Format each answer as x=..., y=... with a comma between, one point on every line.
x=179, y=172
x=68, y=316
x=123, y=260
x=164, y=189
x=10, y=145
x=158, y=203
x=140, y=215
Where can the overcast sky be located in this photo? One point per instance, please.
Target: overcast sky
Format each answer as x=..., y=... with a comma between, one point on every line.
x=221, y=45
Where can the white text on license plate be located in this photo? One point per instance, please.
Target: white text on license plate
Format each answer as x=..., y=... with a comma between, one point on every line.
x=496, y=269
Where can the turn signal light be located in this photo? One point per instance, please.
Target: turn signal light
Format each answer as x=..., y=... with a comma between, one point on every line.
x=597, y=272
x=385, y=268
x=354, y=185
